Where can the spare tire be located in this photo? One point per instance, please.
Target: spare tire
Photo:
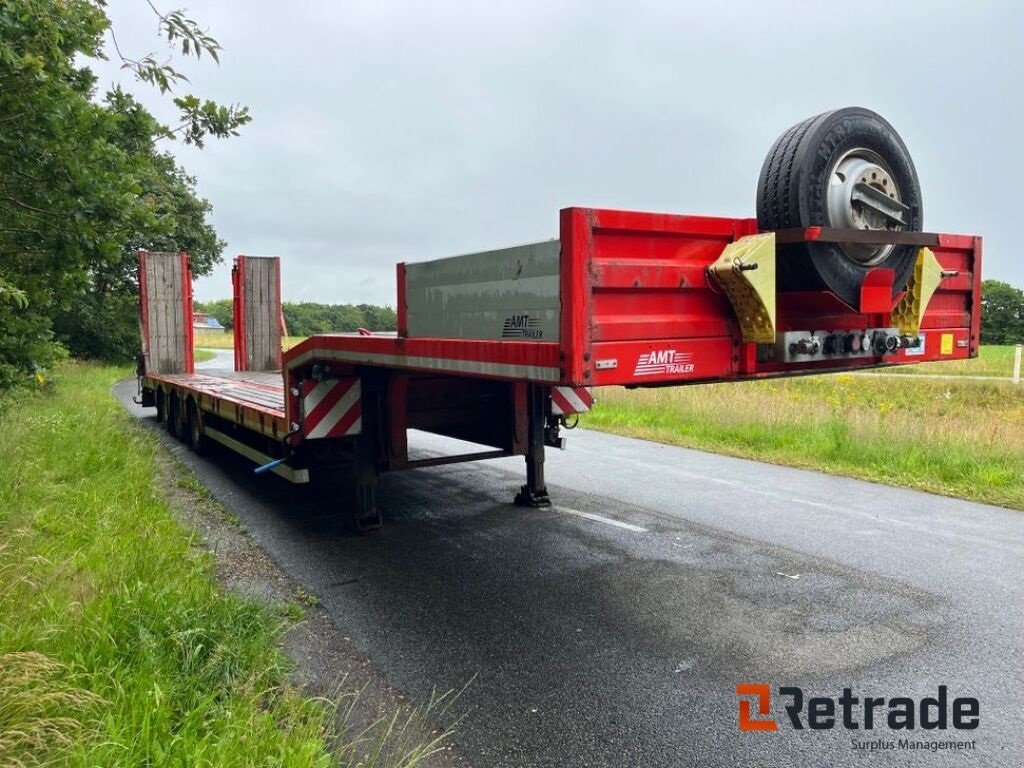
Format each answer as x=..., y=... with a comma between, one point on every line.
x=847, y=169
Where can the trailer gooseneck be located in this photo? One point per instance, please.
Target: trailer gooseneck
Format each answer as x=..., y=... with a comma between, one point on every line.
x=500, y=348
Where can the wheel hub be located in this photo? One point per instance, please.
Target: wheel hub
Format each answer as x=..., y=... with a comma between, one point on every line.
x=862, y=194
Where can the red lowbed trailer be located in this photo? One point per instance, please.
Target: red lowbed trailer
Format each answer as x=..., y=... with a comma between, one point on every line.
x=499, y=349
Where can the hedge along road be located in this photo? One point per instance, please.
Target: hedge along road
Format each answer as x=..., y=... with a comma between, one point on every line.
x=613, y=629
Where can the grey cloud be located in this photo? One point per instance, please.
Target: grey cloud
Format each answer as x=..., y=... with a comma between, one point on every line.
x=391, y=131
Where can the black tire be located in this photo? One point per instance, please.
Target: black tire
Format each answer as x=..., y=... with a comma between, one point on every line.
x=171, y=413
x=161, y=405
x=197, y=436
x=792, y=191
x=177, y=418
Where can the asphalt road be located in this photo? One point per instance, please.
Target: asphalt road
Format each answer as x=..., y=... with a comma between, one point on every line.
x=613, y=629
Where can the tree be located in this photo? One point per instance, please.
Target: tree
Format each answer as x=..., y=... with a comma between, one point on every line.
x=1002, y=313
x=306, y=318
x=103, y=321
x=82, y=183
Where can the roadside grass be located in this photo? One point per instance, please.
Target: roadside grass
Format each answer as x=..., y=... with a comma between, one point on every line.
x=956, y=438
x=117, y=646
x=202, y=355
x=992, y=360
x=106, y=591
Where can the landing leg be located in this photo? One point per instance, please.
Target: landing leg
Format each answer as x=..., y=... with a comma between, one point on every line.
x=364, y=515
x=535, y=492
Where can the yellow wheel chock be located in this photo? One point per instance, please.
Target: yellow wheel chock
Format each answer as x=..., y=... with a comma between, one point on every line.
x=923, y=284
x=746, y=273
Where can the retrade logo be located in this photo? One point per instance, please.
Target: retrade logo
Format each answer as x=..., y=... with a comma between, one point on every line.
x=661, y=362
x=762, y=695
x=521, y=327
x=822, y=713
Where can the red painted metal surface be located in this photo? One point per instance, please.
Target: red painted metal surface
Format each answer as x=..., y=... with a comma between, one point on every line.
x=638, y=309
x=279, y=309
x=535, y=361
x=398, y=423
x=640, y=293
x=638, y=289
x=876, y=291
x=144, y=305
x=238, y=313
x=401, y=309
x=186, y=289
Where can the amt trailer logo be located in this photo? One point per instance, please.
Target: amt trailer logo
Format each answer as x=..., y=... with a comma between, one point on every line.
x=521, y=327
x=662, y=362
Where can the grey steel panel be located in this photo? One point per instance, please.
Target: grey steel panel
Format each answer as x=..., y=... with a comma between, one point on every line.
x=510, y=294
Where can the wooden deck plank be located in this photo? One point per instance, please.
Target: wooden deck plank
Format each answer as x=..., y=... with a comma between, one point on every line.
x=260, y=388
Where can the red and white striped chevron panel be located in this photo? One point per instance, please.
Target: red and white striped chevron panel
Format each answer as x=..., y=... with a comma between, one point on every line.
x=566, y=400
x=331, y=408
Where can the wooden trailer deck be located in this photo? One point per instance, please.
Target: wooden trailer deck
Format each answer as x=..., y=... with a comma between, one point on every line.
x=263, y=390
x=251, y=399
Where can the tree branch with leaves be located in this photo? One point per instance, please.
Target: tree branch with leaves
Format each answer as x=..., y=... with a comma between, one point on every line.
x=82, y=183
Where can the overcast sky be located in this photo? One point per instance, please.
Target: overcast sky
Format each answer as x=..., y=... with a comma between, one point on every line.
x=390, y=131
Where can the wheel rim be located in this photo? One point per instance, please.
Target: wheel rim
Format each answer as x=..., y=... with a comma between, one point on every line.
x=863, y=194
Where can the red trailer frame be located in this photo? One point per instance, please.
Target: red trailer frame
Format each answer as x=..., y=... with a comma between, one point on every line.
x=639, y=307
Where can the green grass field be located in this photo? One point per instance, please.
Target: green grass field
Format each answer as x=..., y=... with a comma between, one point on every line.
x=991, y=361
x=960, y=438
x=202, y=355
x=116, y=645
x=213, y=340
x=226, y=340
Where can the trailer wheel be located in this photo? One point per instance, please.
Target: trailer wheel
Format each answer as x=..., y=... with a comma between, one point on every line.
x=197, y=436
x=170, y=412
x=161, y=405
x=848, y=169
x=177, y=418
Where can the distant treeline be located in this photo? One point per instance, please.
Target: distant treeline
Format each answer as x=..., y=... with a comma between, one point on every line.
x=306, y=318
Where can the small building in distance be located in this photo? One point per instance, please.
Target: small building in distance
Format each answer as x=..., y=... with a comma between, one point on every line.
x=201, y=321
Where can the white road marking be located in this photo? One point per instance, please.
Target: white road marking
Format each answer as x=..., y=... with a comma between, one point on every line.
x=601, y=519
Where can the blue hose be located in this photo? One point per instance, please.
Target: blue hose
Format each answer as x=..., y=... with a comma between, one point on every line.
x=267, y=467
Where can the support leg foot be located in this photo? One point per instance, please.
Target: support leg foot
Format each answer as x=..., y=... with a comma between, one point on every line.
x=532, y=498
